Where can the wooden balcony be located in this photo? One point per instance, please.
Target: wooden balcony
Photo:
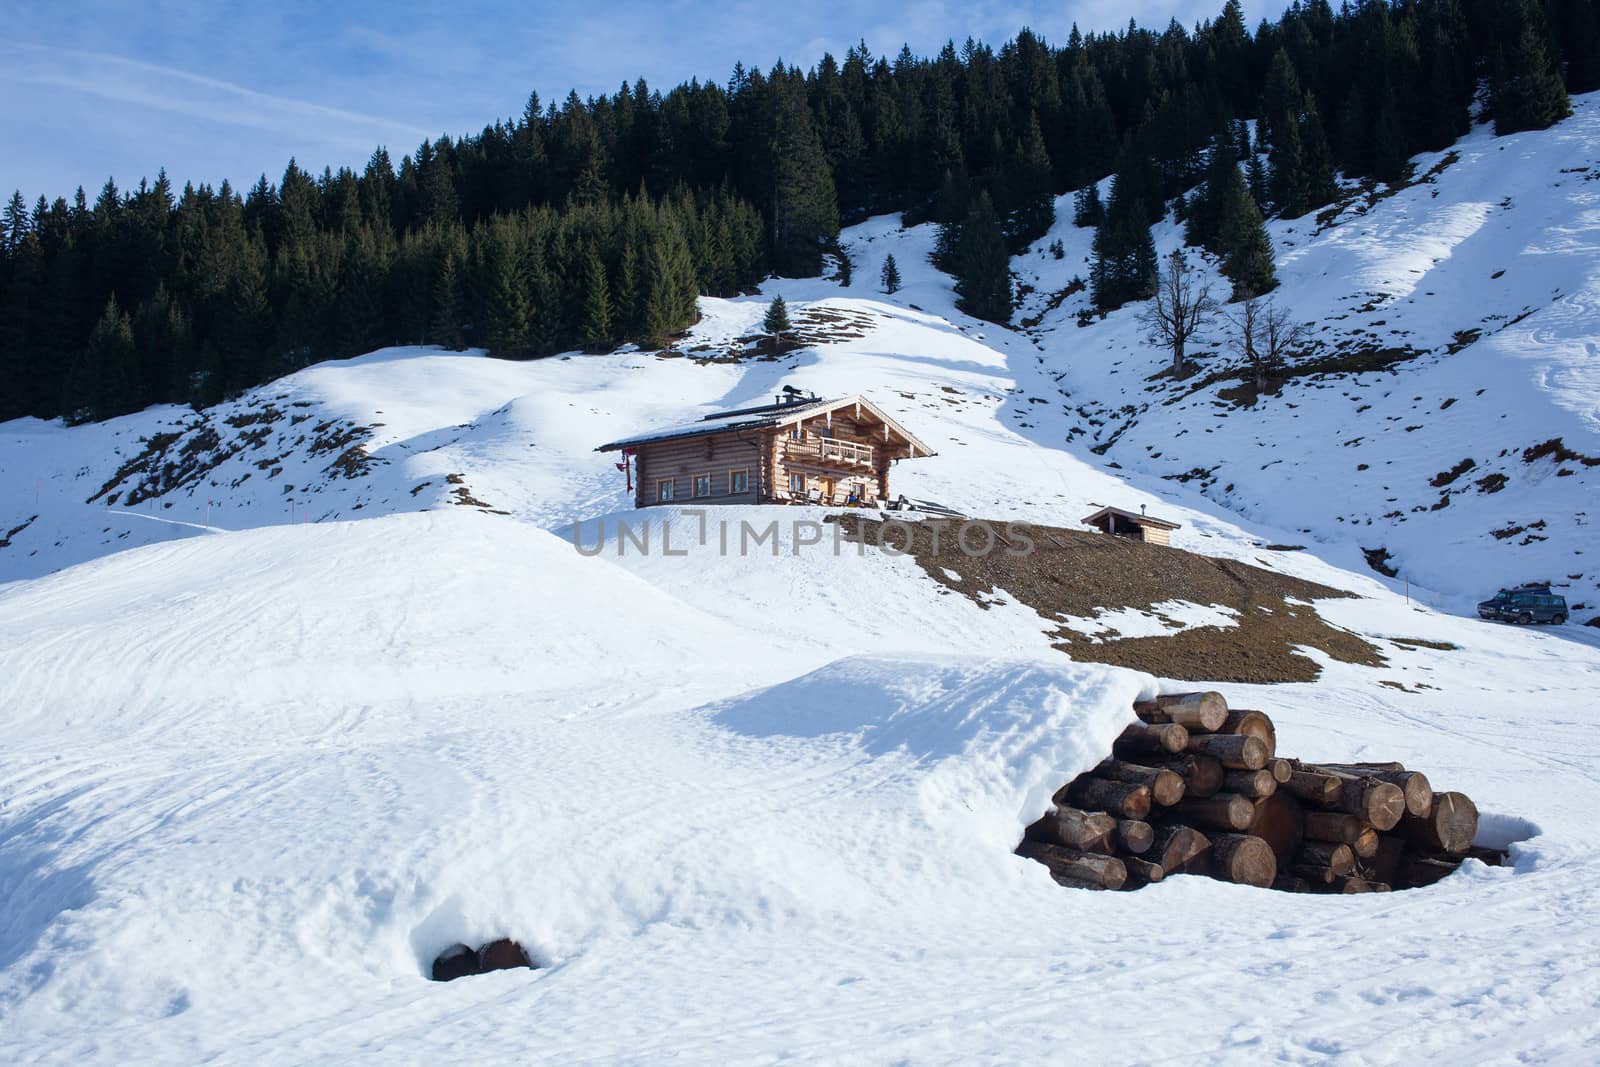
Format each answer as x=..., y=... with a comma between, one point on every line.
x=829, y=452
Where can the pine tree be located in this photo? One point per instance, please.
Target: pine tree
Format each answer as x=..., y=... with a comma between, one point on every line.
x=507, y=311
x=358, y=309
x=1390, y=160
x=1087, y=210
x=890, y=275
x=21, y=388
x=596, y=303
x=14, y=224
x=1123, y=266
x=1575, y=26
x=1528, y=94
x=1287, y=187
x=983, y=267
x=1355, y=149
x=1280, y=101
x=804, y=211
x=1249, y=259
x=163, y=340
x=1032, y=190
x=1255, y=177
x=98, y=381
x=447, y=308
x=1213, y=205
x=777, y=321
x=1319, y=186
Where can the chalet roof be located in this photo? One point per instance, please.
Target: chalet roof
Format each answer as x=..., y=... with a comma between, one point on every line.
x=766, y=416
x=1142, y=520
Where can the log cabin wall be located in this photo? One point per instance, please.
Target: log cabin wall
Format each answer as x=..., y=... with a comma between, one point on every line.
x=834, y=455
x=825, y=458
x=700, y=469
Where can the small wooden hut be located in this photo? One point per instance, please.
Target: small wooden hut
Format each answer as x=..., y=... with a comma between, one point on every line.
x=1146, y=528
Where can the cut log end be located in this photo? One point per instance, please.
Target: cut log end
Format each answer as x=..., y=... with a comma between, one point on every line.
x=1243, y=859
x=1135, y=835
x=1449, y=827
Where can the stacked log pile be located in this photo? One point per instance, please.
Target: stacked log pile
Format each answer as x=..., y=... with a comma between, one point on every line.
x=1194, y=787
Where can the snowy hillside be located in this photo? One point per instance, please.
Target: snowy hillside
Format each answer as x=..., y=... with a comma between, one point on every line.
x=300, y=690
x=1470, y=451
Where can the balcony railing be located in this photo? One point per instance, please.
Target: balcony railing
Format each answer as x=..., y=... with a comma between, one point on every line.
x=829, y=451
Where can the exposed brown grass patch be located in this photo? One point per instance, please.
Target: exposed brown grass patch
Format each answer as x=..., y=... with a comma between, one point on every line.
x=1074, y=573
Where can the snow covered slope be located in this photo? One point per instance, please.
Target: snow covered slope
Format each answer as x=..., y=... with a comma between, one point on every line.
x=327, y=687
x=1474, y=294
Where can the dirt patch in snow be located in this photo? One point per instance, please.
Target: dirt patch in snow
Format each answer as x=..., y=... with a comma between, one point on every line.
x=1072, y=575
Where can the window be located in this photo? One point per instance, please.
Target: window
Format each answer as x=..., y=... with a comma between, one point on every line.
x=797, y=432
x=739, y=481
x=797, y=484
x=702, y=485
x=664, y=490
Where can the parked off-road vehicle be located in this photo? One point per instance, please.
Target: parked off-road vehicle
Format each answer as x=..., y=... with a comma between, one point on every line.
x=1525, y=604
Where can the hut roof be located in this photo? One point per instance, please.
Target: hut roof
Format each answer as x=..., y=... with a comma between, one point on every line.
x=782, y=413
x=1142, y=520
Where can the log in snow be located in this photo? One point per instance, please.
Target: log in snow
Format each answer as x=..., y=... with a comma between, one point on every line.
x=1198, y=712
x=1449, y=827
x=1166, y=786
x=1243, y=752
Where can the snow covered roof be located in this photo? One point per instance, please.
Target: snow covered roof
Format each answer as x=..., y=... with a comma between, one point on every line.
x=781, y=413
x=1142, y=520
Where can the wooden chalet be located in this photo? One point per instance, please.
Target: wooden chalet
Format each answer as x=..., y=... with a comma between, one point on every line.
x=797, y=450
x=1146, y=528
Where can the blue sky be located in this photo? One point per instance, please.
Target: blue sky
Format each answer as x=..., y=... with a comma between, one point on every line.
x=94, y=89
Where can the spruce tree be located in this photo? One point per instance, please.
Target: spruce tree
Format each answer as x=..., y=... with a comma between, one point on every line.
x=14, y=224
x=445, y=298
x=1355, y=149
x=98, y=381
x=1528, y=93
x=359, y=311
x=983, y=267
x=1575, y=27
x=1248, y=262
x=1280, y=101
x=890, y=275
x=1287, y=187
x=1318, y=184
x=20, y=380
x=1390, y=160
x=1032, y=188
x=804, y=211
x=1087, y=210
x=163, y=342
x=1124, y=265
x=507, y=310
x=1211, y=209
x=776, y=322
x=596, y=303
x=1256, y=178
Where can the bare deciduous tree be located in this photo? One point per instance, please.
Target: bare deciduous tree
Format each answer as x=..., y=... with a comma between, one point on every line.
x=1264, y=334
x=1183, y=305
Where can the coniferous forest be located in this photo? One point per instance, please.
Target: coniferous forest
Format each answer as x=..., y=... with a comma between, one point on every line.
x=589, y=223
